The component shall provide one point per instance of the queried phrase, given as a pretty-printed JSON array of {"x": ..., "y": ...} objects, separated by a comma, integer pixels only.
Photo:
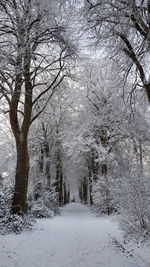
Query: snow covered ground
[{"x": 75, "y": 239}]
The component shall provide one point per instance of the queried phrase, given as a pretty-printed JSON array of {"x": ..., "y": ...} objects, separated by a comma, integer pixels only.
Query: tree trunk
[
  {"x": 68, "y": 195},
  {"x": 147, "y": 88},
  {"x": 46, "y": 153},
  {"x": 85, "y": 190},
  {"x": 65, "y": 194},
  {"x": 21, "y": 180},
  {"x": 41, "y": 160},
  {"x": 59, "y": 177},
  {"x": 90, "y": 185},
  {"x": 81, "y": 194}
]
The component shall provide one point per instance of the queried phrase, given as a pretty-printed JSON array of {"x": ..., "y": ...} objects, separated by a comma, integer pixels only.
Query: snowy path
[{"x": 75, "y": 239}]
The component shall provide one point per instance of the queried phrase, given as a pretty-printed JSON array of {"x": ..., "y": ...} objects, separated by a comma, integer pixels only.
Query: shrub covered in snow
[
  {"x": 44, "y": 204},
  {"x": 135, "y": 205},
  {"x": 103, "y": 199},
  {"x": 12, "y": 223},
  {"x": 38, "y": 209},
  {"x": 5, "y": 200}
]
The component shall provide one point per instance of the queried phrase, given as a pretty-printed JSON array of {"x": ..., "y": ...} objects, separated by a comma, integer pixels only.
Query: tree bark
[
  {"x": 147, "y": 88},
  {"x": 21, "y": 180},
  {"x": 68, "y": 196},
  {"x": 46, "y": 153},
  {"x": 85, "y": 190},
  {"x": 65, "y": 194},
  {"x": 59, "y": 177},
  {"x": 90, "y": 184},
  {"x": 20, "y": 132}
]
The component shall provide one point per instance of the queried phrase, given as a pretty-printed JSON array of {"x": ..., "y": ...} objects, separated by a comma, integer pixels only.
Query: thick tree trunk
[
  {"x": 147, "y": 88},
  {"x": 20, "y": 130},
  {"x": 21, "y": 180}
]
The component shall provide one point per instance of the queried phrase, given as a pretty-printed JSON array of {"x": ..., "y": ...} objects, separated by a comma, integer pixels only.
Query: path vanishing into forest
[{"x": 75, "y": 239}]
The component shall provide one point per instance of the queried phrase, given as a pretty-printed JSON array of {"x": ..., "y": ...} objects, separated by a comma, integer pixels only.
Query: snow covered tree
[
  {"x": 123, "y": 26},
  {"x": 46, "y": 139},
  {"x": 34, "y": 52}
]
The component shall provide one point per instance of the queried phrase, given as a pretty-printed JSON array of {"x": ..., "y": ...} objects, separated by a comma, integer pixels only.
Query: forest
[{"x": 74, "y": 112}]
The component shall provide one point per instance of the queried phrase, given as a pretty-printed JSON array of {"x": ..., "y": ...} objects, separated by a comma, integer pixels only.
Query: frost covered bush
[
  {"x": 135, "y": 205},
  {"x": 51, "y": 200},
  {"x": 38, "y": 209},
  {"x": 12, "y": 223},
  {"x": 44, "y": 204},
  {"x": 5, "y": 200},
  {"x": 103, "y": 199}
]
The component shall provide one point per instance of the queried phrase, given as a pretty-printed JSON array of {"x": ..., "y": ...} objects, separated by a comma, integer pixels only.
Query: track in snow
[{"x": 75, "y": 239}]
